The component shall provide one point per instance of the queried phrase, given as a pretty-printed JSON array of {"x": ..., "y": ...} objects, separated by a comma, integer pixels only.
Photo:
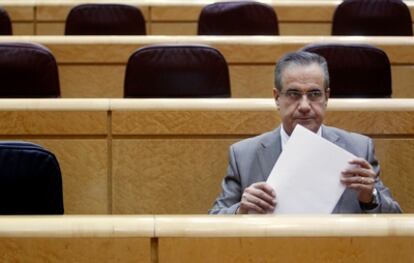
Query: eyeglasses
[{"x": 297, "y": 95}]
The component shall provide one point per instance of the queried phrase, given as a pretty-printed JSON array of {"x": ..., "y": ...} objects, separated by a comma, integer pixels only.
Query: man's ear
[
  {"x": 276, "y": 95},
  {"x": 327, "y": 94}
]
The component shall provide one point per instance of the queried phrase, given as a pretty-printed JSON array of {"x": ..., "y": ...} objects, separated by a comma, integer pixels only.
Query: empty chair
[
  {"x": 105, "y": 19},
  {"x": 30, "y": 180},
  {"x": 372, "y": 18},
  {"x": 5, "y": 23},
  {"x": 27, "y": 70},
  {"x": 238, "y": 18},
  {"x": 177, "y": 71},
  {"x": 356, "y": 71}
]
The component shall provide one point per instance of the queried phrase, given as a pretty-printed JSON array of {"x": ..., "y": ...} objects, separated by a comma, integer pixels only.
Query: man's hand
[
  {"x": 361, "y": 178},
  {"x": 259, "y": 198}
]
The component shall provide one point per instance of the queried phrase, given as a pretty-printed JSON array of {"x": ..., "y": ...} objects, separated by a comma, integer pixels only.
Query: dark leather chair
[
  {"x": 30, "y": 180},
  {"x": 5, "y": 23},
  {"x": 356, "y": 71},
  {"x": 177, "y": 71},
  {"x": 372, "y": 18},
  {"x": 105, "y": 19},
  {"x": 238, "y": 18},
  {"x": 27, "y": 70}
]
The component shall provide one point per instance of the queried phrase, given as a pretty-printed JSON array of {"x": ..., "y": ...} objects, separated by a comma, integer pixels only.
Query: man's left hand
[{"x": 361, "y": 177}]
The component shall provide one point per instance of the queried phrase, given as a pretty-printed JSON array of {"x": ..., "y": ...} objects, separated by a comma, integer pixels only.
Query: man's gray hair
[{"x": 300, "y": 58}]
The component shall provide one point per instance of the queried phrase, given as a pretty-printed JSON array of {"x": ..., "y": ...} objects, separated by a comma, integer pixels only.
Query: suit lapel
[
  {"x": 331, "y": 136},
  {"x": 269, "y": 152}
]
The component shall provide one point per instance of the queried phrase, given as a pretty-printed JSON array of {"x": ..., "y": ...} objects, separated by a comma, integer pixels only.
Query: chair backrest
[
  {"x": 238, "y": 18},
  {"x": 177, "y": 71},
  {"x": 105, "y": 19},
  {"x": 27, "y": 70},
  {"x": 30, "y": 180},
  {"x": 5, "y": 23},
  {"x": 356, "y": 71},
  {"x": 372, "y": 18}
]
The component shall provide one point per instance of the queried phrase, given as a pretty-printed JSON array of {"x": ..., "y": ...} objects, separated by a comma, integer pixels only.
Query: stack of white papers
[{"x": 306, "y": 177}]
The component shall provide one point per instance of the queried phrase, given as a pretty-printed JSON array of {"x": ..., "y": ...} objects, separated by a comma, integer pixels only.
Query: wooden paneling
[
  {"x": 52, "y": 123},
  {"x": 167, "y": 176},
  {"x": 287, "y": 249},
  {"x": 75, "y": 239},
  {"x": 162, "y": 156},
  {"x": 248, "y": 238},
  {"x": 84, "y": 167},
  {"x": 179, "y": 17},
  {"x": 92, "y": 81},
  {"x": 82, "y": 250},
  {"x": 58, "y": 11},
  {"x": 94, "y": 67},
  {"x": 397, "y": 168}
]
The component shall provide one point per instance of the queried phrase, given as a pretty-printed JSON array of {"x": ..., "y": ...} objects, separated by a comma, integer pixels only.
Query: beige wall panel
[
  {"x": 251, "y": 81},
  {"x": 53, "y": 12},
  {"x": 304, "y": 29},
  {"x": 52, "y": 28},
  {"x": 92, "y": 81},
  {"x": 92, "y": 53},
  {"x": 84, "y": 167},
  {"x": 52, "y": 122},
  {"x": 193, "y": 122},
  {"x": 106, "y": 81},
  {"x": 291, "y": 11},
  {"x": 397, "y": 169},
  {"x": 167, "y": 176},
  {"x": 176, "y": 12},
  {"x": 373, "y": 123},
  {"x": 55, "y": 28},
  {"x": 21, "y": 29},
  {"x": 402, "y": 81},
  {"x": 178, "y": 28},
  {"x": 80, "y": 250},
  {"x": 255, "y": 54},
  {"x": 20, "y": 12},
  {"x": 284, "y": 249}
]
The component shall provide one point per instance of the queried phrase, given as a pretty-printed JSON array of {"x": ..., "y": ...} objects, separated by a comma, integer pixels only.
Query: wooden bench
[
  {"x": 172, "y": 17},
  {"x": 132, "y": 156},
  {"x": 94, "y": 67},
  {"x": 249, "y": 238}
]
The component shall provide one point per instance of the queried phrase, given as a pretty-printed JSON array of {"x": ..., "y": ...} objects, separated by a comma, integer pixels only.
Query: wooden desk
[
  {"x": 131, "y": 156},
  {"x": 159, "y": 239},
  {"x": 94, "y": 67},
  {"x": 82, "y": 239},
  {"x": 172, "y": 17}
]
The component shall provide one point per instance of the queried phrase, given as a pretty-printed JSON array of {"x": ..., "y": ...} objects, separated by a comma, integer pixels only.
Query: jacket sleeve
[
  {"x": 229, "y": 199},
  {"x": 386, "y": 204}
]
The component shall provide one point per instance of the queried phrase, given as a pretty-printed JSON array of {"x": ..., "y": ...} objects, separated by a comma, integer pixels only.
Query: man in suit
[{"x": 301, "y": 93}]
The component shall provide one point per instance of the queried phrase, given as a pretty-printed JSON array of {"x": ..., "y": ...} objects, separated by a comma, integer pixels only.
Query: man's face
[{"x": 294, "y": 106}]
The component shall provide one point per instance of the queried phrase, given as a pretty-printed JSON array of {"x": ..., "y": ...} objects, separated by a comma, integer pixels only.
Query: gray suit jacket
[{"x": 252, "y": 160}]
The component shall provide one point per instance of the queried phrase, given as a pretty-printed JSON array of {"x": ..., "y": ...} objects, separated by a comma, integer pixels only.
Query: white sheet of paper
[{"x": 306, "y": 177}]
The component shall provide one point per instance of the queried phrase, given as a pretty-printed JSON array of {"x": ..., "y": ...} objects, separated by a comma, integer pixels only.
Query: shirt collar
[{"x": 284, "y": 137}]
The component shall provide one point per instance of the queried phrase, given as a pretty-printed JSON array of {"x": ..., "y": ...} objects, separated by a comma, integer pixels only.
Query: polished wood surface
[
  {"x": 94, "y": 66},
  {"x": 76, "y": 239},
  {"x": 172, "y": 17},
  {"x": 160, "y": 156},
  {"x": 207, "y": 238}
]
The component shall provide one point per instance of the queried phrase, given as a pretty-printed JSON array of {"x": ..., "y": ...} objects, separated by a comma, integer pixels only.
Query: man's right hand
[{"x": 258, "y": 198}]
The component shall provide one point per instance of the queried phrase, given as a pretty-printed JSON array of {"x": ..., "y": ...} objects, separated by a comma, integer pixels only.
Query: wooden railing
[
  {"x": 132, "y": 156},
  {"x": 172, "y": 17},
  {"x": 158, "y": 239},
  {"x": 94, "y": 67}
]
